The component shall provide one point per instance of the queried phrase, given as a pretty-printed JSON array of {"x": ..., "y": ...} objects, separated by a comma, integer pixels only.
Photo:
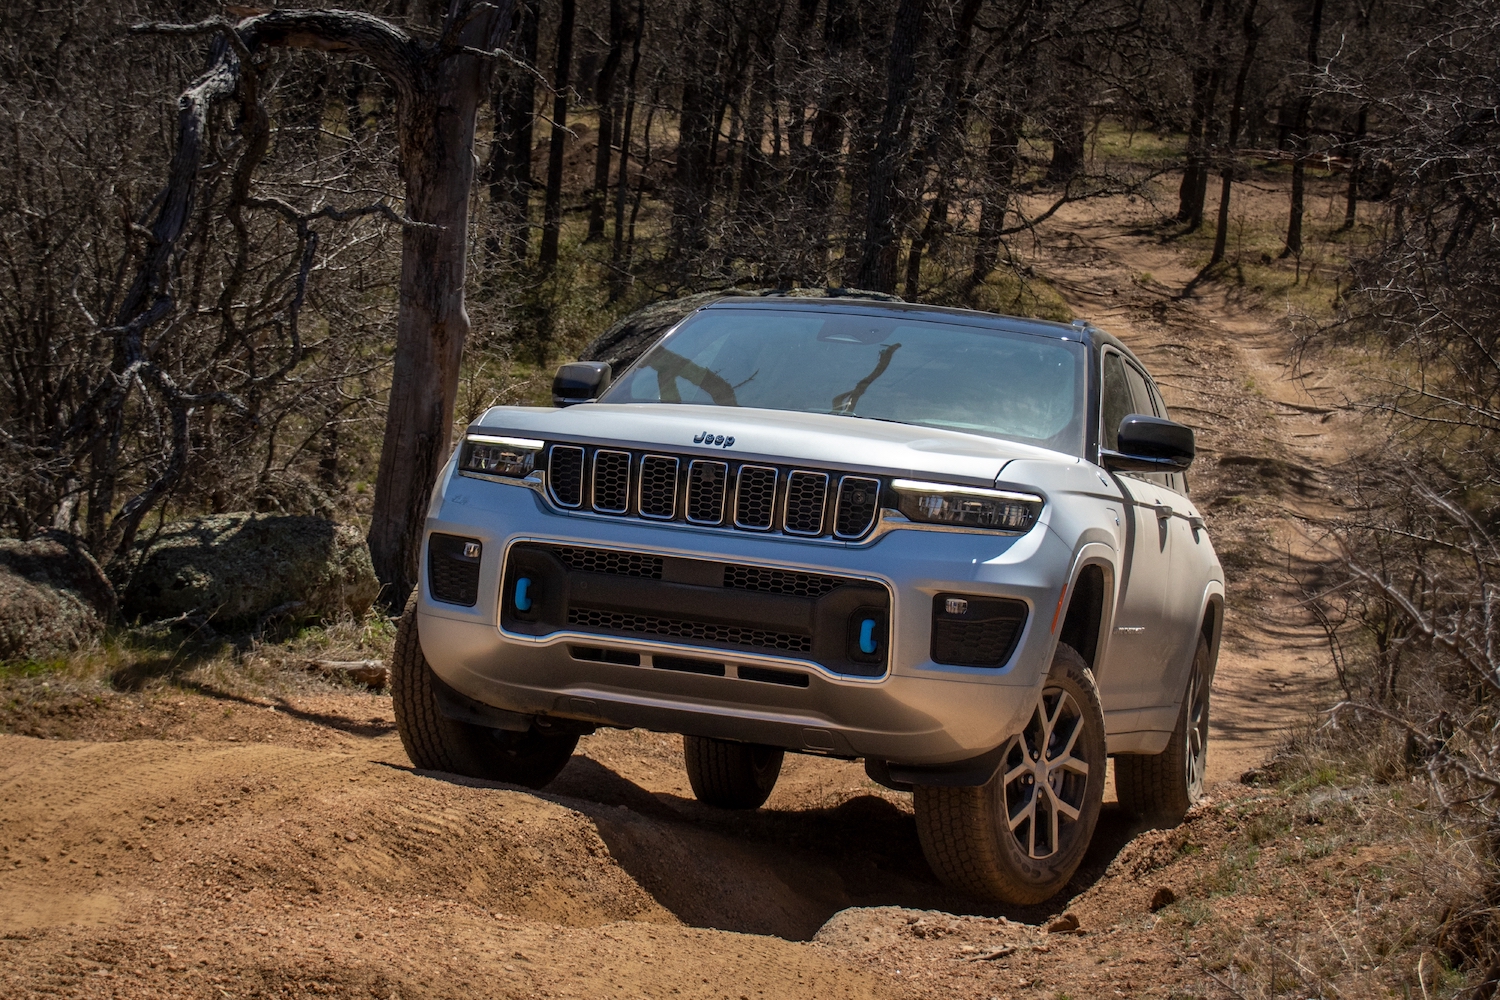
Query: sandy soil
[{"x": 198, "y": 843}]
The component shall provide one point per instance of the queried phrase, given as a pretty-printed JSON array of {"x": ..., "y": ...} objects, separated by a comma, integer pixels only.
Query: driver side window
[{"x": 1115, "y": 403}]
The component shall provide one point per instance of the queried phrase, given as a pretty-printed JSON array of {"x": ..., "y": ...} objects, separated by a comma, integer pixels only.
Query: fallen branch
[{"x": 371, "y": 673}]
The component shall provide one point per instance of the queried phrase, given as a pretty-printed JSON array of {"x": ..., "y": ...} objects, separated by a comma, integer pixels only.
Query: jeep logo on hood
[{"x": 708, "y": 437}]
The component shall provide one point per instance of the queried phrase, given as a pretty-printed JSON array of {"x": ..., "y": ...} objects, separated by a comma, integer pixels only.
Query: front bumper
[{"x": 919, "y": 712}]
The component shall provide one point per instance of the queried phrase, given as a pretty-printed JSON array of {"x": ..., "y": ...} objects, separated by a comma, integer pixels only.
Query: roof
[{"x": 1078, "y": 331}]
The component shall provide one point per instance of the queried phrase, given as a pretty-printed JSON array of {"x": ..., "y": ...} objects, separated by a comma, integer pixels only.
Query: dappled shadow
[{"x": 782, "y": 872}]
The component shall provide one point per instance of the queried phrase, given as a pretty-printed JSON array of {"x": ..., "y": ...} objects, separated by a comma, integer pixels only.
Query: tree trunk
[
  {"x": 1226, "y": 174},
  {"x": 1355, "y": 153},
  {"x": 877, "y": 266},
  {"x": 508, "y": 172},
  {"x": 604, "y": 96},
  {"x": 617, "y": 250},
  {"x": 1203, "y": 77},
  {"x": 552, "y": 209},
  {"x": 437, "y": 162},
  {"x": 1002, "y": 154},
  {"x": 1302, "y": 140}
]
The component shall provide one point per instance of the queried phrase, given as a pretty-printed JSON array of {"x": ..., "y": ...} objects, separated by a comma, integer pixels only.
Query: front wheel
[
  {"x": 1019, "y": 838},
  {"x": 435, "y": 742},
  {"x": 1163, "y": 787},
  {"x": 731, "y": 775}
]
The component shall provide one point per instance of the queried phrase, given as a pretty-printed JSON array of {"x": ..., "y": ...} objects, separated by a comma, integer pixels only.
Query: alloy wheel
[{"x": 1045, "y": 780}]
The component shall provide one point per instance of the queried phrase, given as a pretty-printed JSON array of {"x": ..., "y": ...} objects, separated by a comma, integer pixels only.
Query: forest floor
[{"x": 209, "y": 838}]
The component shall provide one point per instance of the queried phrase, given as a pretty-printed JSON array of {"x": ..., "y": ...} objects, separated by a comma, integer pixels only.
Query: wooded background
[{"x": 628, "y": 150}]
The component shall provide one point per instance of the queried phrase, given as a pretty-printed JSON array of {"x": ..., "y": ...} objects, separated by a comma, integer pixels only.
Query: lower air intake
[
  {"x": 977, "y": 632},
  {"x": 453, "y": 569}
]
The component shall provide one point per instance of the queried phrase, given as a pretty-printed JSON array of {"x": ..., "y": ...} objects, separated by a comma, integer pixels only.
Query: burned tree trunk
[
  {"x": 1300, "y": 137},
  {"x": 1251, "y": 32},
  {"x": 552, "y": 209}
]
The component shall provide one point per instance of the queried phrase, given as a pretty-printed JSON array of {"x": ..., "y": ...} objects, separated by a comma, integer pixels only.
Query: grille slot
[
  {"x": 806, "y": 496},
  {"x": 859, "y": 498},
  {"x": 779, "y": 581},
  {"x": 565, "y": 475},
  {"x": 658, "y": 497},
  {"x": 705, "y": 492},
  {"x": 609, "y": 561},
  {"x": 755, "y": 497},
  {"x": 684, "y": 628},
  {"x": 611, "y": 481},
  {"x": 452, "y": 575}
]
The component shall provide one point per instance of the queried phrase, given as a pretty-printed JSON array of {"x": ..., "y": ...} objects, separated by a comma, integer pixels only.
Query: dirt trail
[{"x": 210, "y": 845}]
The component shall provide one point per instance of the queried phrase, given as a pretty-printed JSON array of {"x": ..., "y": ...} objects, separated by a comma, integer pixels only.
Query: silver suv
[{"x": 956, "y": 545}]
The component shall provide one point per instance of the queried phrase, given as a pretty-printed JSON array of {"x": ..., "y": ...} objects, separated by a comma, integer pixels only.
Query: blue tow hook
[
  {"x": 867, "y": 636},
  {"x": 523, "y": 596}
]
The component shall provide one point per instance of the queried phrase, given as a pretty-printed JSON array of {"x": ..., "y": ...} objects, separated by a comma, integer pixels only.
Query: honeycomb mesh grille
[
  {"x": 806, "y": 495},
  {"x": 858, "y": 500},
  {"x": 611, "y": 481},
  {"x": 452, "y": 576},
  {"x": 705, "y": 499},
  {"x": 658, "y": 487},
  {"x": 973, "y": 644},
  {"x": 610, "y": 561},
  {"x": 565, "y": 475},
  {"x": 778, "y": 581},
  {"x": 682, "y": 628},
  {"x": 755, "y": 497}
]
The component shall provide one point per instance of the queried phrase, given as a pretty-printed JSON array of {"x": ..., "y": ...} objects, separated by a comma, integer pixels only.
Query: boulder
[
  {"x": 54, "y": 598},
  {"x": 242, "y": 567},
  {"x": 631, "y": 335}
]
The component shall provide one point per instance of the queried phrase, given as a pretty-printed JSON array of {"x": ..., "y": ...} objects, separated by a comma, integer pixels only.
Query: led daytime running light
[
  {"x": 963, "y": 506},
  {"x": 491, "y": 455}
]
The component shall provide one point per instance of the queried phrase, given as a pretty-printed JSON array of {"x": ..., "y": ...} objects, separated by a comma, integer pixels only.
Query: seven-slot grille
[{"x": 750, "y": 497}]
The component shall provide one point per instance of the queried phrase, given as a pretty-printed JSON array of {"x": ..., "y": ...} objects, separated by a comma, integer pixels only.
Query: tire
[
  {"x": 437, "y": 743},
  {"x": 731, "y": 775},
  {"x": 967, "y": 834},
  {"x": 1163, "y": 787}
]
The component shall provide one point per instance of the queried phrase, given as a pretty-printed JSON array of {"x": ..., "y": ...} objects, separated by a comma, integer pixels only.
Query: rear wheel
[
  {"x": 1163, "y": 787},
  {"x": 731, "y": 775},
  {"x": 1020, "y": 837},
  {"x": 435, "y": 742}
]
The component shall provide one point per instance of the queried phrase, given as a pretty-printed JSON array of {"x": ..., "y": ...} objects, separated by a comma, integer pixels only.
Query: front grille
[
  {"x": 982, "y": 634},
  {"x": 658, "y": 487},
  {"x": 859, "y": 499},
  {"x": 565, "y": 475},
  {"x": 806, "y": 495},
  {"x": 611, "y": 481},
  {"x": 755, "y": 497},
  {"x": 609, "y": 561},
  {"x": 684, "y": 628},
  {"x": 806, "y": 503},
  {"x": 706, "y": 483},
  {"x": 779, "y": 581},
  {"x": 453, "y": 569}
]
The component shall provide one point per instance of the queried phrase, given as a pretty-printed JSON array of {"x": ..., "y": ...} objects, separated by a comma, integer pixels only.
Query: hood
[{"x": 776, "y": 436}]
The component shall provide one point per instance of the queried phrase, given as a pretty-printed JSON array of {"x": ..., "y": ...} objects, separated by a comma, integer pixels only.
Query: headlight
[
  {"x": 499, "y": 456},
  {"x": 966, "y": 506}
]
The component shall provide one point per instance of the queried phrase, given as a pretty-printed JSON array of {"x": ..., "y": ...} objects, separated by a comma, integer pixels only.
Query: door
[{"x": 1130, "y": 676}]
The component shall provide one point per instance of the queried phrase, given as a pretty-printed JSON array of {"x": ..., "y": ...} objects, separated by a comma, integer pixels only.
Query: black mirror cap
[
  {"x": 1151, "y": 444},
  {"x": 580, "y": 382}
]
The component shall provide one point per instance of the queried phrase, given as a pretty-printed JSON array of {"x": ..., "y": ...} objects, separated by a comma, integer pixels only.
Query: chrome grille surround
[
  {"x": 708, "y": 482},
  {"x": 707, "y": 491},
  {"x": 806, "y": 501},
  {"x": 565, "y": 475},
  {"x": 611, "y": 494},
  {"x": 657, "y": 498},
  {"x": 755, "y": 497}
]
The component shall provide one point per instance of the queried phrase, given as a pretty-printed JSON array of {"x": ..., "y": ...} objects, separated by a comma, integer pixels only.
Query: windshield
[{"x": 965, "y": 378}]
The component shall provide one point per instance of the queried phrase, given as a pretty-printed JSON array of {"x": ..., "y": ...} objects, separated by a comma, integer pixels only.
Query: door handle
[{"x": 1163, "y": 512}]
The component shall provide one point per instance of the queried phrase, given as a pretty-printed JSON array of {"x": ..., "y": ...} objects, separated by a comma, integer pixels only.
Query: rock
[
  {"x": 1065, "y": 924},
  {"x": 54, "y": 598},
  {"x": 244, "y": 567},
  {"x": 630, "y": 336},
  {"x": 1161, "y": 898}
]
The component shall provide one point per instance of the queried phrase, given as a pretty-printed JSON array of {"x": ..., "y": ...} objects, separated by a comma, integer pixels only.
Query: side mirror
[
  {"x": 580, "y": 382},
  {"x": 1150, "y": 444}
]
